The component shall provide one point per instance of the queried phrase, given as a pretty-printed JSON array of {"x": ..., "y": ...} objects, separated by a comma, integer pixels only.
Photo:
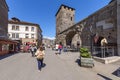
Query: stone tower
[{"x": 64, "y": 18}]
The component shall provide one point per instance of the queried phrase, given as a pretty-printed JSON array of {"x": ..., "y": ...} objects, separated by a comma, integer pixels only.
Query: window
[
  {"x": 26, "y": 35},
  {"x": 32, "y": 28},
  {"x": 13, "y": 27},
  {"x": 13, "y": 35},
  {"x": 26, "y": 28},
  {"x": 17, "y": 28},
  {"x": 32, "y": 35},
  {"x": 17, "y": 35}
]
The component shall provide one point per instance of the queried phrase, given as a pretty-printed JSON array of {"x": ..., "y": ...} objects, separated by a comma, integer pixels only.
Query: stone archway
[
  {"x": 76, "y": 40},
  {"x": 69, "y": 37},
  {"x": 73, "y": 39}
]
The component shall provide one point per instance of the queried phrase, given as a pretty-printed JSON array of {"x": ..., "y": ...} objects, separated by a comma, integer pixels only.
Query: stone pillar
[
  {"x": 118, "y": 26},
  {"x": 64, "y": 40}
]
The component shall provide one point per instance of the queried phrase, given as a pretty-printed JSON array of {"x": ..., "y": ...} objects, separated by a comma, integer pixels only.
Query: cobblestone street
[{"x": 22, "y": 66}]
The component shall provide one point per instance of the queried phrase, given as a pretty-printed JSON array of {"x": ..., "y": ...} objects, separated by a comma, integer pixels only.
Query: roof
[
  {"x": 64, "y": 6},
  {"x": 111, "y": 1},
  {"x": 15, "y": 20},
  {"x": 21, "y": 22}
]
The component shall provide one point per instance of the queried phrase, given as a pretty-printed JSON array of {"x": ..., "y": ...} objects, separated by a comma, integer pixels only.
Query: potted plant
[{"x": 86, "y": 58}]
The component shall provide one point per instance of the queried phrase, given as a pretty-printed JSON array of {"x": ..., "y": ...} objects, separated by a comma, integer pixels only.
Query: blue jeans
[
  {"x": 59, "y": 51},
  {"x": 40, "y": 63}
]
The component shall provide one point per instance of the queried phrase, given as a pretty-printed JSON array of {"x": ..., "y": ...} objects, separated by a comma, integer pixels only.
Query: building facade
[
  {"x": 24, "y": 32},
  {"x": 3, "y": 19},
  {"x": 104, "y": 23},
  {"x": 48, "y": 42}
]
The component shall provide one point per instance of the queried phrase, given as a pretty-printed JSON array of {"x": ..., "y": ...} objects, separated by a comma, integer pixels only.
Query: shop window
[{"x": 5, "y": 47}]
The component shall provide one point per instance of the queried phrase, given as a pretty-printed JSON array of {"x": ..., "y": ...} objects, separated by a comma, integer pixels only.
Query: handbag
[{"x": 40, "y": 56}]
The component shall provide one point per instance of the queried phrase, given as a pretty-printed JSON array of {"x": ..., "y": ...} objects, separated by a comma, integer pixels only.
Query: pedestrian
[
  {"x": 33, "y": 49},
  {"x": 40, "y": 56},
  {"x": 60, "y": 48}
]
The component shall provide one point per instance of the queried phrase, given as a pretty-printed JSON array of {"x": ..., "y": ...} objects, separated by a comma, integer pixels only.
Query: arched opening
[
  {"x": 73, "y": 39},
  {"x": 69, "y": 37}
]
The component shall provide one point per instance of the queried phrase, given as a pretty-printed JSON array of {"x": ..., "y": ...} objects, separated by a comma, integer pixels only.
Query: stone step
[{"x": 107, "y": 60}]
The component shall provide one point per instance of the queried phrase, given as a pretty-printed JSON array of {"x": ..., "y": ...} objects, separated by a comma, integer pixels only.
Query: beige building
[
  {"x": 104, "y": 23},
  {"x": 25, "y": 32},
  {"x": 48, "y": 42}
]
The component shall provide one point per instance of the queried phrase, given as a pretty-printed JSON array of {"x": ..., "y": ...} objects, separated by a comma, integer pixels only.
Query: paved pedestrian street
[{"x": 22, "y": 66}]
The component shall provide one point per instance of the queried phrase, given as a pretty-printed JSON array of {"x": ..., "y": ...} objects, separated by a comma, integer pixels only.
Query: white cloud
[{"x": 52, "y": 38}]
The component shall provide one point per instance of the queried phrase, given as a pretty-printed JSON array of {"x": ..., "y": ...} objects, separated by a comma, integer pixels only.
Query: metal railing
[{"x": 104, "y": 51}]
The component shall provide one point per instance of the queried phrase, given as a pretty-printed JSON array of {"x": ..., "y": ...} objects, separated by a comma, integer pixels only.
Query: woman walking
[{"x": 40, "y": 56}]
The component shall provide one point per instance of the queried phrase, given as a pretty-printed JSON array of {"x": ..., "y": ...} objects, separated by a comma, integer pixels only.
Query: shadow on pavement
[
  {"x": 43, "y": 65},
  {"x": 106, "y": 78},
  {"x": 78, "y": 61},
  {"x": 117, "y": 72},
  {"x": 7, "y": 55}
]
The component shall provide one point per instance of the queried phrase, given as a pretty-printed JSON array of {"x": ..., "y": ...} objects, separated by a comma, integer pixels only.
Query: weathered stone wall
[
  {"x": 64, "y": 19},
  {"x": 103, "y": 23},
  {"x": 3, "y": 19},
  {"x": 61, "y": 38},
  {"x": 118, "y": 26}
]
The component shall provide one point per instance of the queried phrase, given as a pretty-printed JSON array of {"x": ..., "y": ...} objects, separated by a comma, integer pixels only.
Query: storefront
[{"x": 7, "y": 46}]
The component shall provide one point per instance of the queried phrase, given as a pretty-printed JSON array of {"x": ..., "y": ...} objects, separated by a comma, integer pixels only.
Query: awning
[
  {"x": 30, "y": 43},
  {"x": 8, "y": 41}
]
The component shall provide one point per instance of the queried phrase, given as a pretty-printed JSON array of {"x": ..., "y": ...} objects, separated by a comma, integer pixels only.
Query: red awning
[
  {"x": 30, "y": 43},
  {"x": 7, "y": 41}
]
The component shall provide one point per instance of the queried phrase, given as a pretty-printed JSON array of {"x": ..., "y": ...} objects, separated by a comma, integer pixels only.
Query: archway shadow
[{"x": 106, "y": 78}]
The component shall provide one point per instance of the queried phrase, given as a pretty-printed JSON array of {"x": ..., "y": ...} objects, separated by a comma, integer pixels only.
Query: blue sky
[{"x": 43, "y": 12}]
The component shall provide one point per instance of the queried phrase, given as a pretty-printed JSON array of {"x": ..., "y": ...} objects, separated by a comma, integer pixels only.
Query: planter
[
  {"x": 86, "y": 62},
  {"x": 86, "y": 58}
]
